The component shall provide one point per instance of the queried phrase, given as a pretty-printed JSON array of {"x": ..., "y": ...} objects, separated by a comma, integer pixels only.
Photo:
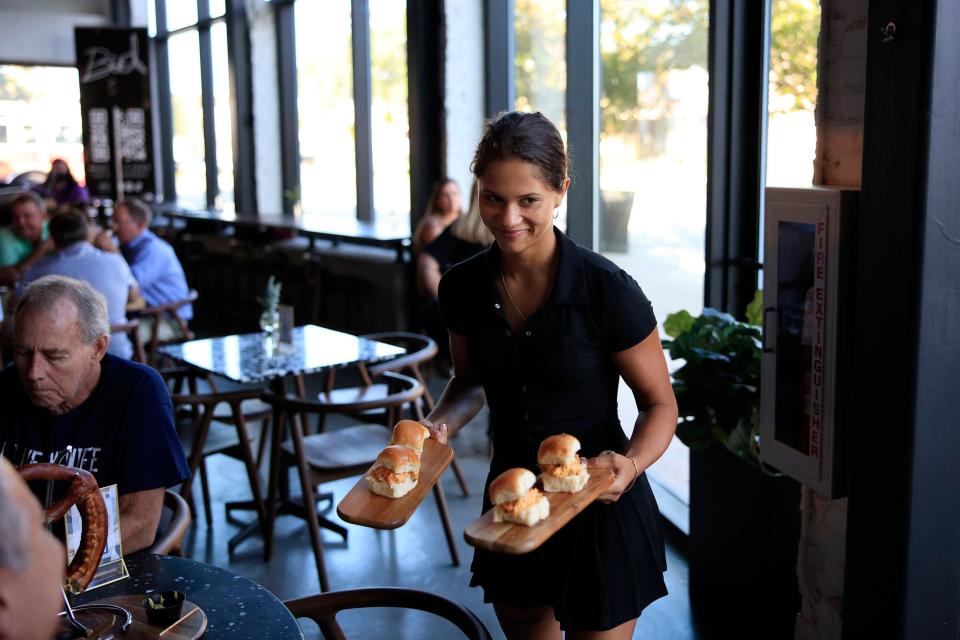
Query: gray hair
[
  {"x": 42, "y": 294},
  {"x": 14, "y": 550},
  {"x": 31, "y": 197}
]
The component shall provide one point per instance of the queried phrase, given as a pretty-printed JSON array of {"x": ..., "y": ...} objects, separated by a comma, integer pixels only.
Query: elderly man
[
  {"x": 65, "y": 391},
  {"x": 25, "y": 240},
  {"x": 31, "y": 564},
  {"x": 154, "y": 263},
  {"x": 106, "y": 272}
]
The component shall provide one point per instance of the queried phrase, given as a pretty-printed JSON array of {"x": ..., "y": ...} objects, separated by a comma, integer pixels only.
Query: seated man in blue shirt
[
  {"x": 66, "y": 400},
  {"x": 153, "y": 261},
  {"x": 106, "y": 272}
]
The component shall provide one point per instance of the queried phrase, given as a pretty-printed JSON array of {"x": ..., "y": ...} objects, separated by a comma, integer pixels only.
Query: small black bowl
[{"x": 163, "y": 608}]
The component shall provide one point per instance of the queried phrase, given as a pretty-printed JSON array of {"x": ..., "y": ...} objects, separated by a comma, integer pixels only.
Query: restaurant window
[
  {"x": 325, "y": 110},
  {"x": 792, "y": 93},
  {"x": 389, "y": 108},
  {"x": 653, "y": 166},
  {"x": 540, "y": 64},
  {"x": 193, "y": 39},
  {"x": 40, "y": 109}
]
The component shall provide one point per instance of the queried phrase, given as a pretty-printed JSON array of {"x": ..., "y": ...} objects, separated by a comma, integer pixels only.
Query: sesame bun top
[
  {"x": 558, "y": 449},
  {"x": 511, "y": 485}
]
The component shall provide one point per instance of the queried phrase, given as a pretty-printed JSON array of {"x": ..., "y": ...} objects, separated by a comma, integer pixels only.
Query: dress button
[
  {"x": 496, "y": 305},
  {"x": 528, "y": 333},
  {"x": 509, "y": 333},
  {"x": 524, "y": 388}
]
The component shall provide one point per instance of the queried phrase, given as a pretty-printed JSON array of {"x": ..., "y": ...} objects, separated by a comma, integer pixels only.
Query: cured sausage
[{"x": 84, "y": 493}]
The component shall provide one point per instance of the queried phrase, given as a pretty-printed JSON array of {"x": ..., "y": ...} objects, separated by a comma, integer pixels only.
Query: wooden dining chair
[
  {"x": 420, "y": 350},
  {"x": 323, "y": 608},
  {"x": 154, "y": 316},
  {"x": 132, "y": 329},
  {"x": 174, "y": 524},
  {"x": 325, "y": 457}
]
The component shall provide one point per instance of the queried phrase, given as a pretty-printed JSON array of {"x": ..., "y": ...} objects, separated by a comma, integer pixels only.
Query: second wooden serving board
[
  {"x": 506, "y": 537},
  {"x": 366, "y": 508}
]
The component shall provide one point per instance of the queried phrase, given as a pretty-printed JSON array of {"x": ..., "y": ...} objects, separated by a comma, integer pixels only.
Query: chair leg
[
  {"x": 309, "y": 504},
  {"x": 252, "y": 473},
  {"x": 196, "y": 456},
  {"x": 205, "y": 487},
  {"x": 262, "y": 445},
  {"x": 445, "y": 521},
  {"x": 461, "y": 479}
]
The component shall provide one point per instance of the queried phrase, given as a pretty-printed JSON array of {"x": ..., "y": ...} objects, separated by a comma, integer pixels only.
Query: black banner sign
[{"x": 114, "y": 66}]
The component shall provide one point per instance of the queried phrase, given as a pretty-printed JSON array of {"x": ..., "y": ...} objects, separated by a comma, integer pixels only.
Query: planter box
[{"x": 744, "y": 535}]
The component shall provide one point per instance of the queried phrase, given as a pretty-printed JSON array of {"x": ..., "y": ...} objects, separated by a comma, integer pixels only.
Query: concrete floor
[{"x": 414, "y": 556}]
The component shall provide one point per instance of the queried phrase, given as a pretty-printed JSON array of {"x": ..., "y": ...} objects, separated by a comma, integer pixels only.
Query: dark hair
[
  {"x": 68, "y": 227},
  {"x": 530, "y": 137},
  {"x": 138, "y": 210},
  {"x": 32, "y": 197},
  {"x": 52, "y": 179}
]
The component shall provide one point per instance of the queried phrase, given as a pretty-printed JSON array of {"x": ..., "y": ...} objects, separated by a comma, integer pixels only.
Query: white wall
[
  {"x": 463, "y": 103},
  {"x": 266, "y": 107},
  {"x": 41, "y": 31}
]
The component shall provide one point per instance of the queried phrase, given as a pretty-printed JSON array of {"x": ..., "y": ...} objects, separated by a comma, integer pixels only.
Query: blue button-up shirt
[
  {"x": 105, "y": 272},
  {"x": 157, "y": 269}
]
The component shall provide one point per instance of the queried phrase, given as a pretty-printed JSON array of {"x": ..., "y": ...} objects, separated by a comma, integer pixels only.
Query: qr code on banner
[
  {"x": 99, "y": 137},
  {"x": 131, "y": 131}
]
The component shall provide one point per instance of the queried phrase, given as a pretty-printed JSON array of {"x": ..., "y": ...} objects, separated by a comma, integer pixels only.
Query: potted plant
[{"x": 744, "y": 518}]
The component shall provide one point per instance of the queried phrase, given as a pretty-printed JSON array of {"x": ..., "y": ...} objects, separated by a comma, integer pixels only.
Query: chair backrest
[
  {"x": 132, "y": 329},
  {"x": 420, "y": 349},
  {"x": 170, "y": 540},
  {"x": 167, "y": 310},
  {"x": 323, "y": 608}
]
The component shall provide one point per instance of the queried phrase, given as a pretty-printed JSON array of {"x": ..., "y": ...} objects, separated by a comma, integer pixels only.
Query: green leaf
[
  {"x": 755, "y": 308},
  {"x": 678, "y": 323}
]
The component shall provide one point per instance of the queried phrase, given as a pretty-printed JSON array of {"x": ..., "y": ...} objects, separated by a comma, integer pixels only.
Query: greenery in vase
[
  {"x": 718, "y": 385},
  {"x": 270, "y": 318}
]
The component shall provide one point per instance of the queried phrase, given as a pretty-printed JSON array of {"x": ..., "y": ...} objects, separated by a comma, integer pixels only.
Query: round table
[{"x": 236, "y": 607}]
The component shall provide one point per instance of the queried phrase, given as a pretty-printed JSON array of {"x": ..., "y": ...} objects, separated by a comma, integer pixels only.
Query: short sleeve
[
  {"x": 452, "y": 302},
  {"x": 626, "y": 315},
  {"x": 152, "y": 456}
]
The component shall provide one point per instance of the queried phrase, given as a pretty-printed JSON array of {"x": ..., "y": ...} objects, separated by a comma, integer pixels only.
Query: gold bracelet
[{"x": 636, "y": 475}]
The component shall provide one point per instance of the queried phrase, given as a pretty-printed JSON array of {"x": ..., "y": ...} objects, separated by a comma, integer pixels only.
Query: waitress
[{"x": 542, "y": 329}]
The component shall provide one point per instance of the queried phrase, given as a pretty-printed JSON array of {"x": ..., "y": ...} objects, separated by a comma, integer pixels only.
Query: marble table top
[{"x": 250, "y": 358}]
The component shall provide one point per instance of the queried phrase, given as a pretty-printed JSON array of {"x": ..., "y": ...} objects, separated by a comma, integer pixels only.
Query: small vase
[{"x": 269, "y": 322}]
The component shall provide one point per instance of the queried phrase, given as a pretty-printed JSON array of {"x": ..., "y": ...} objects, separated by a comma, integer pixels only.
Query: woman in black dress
[{"x": 542, "y": 329}]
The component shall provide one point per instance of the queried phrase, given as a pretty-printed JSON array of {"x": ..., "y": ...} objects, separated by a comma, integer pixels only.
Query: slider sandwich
[
  {"x": 395, "y": 473},
  {"x": 516, "y": 500},
  {"x": 410, "y": 434},
  {"x": 563, "y": 469}
]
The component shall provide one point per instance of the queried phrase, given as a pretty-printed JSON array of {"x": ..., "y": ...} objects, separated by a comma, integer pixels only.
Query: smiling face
[
  {"x": 517, "y": 206},
  {"x": 58, "y": 368},
  {"x": 26, "y": 220}
]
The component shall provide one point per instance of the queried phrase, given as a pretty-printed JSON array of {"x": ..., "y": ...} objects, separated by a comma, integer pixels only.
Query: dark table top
[
  {"x": 236, "y": 607},
  {"x": 244, "y": 358}
]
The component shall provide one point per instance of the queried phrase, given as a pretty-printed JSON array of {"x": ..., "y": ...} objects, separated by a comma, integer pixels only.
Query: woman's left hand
[{"x": 625, "y": 472}]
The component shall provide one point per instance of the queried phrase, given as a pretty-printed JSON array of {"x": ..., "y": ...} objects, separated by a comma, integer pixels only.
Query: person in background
[
  {"x": 66, "y": 400},
  {"x": 443, "y": 207},
  {"x": 61, "y": 189},
  {"x": 26, "y": 240},
  {"x": 461, "y": 240},
  {"x": 152, "y": 260},
  {"x": 106, "y": 272},
  {"x": 542, "y": 330},
  {"x": 32, "y": 563}
]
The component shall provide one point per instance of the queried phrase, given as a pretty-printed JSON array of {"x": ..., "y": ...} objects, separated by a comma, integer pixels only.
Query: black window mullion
[
  {"x": 164, "y": 103},
  {"x": 287, "y": 87},
  {"x": 499, "y": 45},
  {"x": 241, "y": 111},
  {"x": 360, "y": 21},
  {"x": 209, "y": 130}
]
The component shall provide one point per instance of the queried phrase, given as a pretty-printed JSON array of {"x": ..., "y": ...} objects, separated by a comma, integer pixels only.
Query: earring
[{"x": 556, "y": 212}]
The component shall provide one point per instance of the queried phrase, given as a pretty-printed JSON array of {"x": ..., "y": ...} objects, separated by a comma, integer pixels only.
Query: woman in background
[
  {"x": 443, "y": 207},
  {"x": 61, "y": 189}
]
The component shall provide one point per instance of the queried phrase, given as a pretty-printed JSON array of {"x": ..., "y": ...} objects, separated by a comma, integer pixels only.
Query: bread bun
[
  {"x": 511, "y": 485},
  {"x": 558, "y": 449},
  {"x": 411, "y": 434},
  {"x": 399, "y": 459},
  {"x": 391, "y": 490},
  {"x": 527, "y": 517},
  {"x": 568, "y": 484}
]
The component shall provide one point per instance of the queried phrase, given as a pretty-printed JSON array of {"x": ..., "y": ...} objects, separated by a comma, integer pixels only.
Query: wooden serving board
[
  {"x": 506, "y": 537},
  {"x": 106, "y": 622},
  {"x": 366, "y": 508}
]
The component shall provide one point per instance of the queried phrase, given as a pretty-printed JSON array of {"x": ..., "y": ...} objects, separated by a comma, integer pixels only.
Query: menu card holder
[{"x": 112, "y": 567}]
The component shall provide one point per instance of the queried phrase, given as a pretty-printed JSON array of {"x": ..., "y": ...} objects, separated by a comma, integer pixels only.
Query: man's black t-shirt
[{"x": 123, "y": 433}]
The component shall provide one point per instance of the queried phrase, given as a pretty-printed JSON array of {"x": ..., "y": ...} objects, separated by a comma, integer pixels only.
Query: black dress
[{"x": 607, "y": 564}]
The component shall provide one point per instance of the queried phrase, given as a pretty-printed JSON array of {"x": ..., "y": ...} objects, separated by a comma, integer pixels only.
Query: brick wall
[{"x": 839, "y": 117}]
